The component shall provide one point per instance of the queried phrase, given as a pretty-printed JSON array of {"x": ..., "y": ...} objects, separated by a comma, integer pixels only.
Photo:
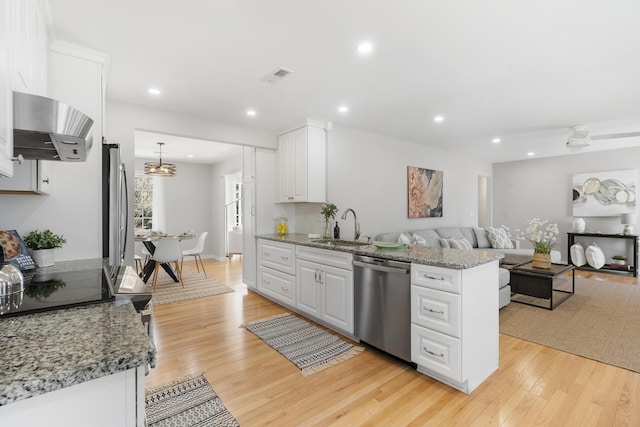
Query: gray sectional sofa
[{"x": 477, "y": 237}]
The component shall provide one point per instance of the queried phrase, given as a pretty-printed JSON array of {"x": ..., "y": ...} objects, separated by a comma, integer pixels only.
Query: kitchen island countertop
[
  {"x": 47, "y": 351},
  {"x": 447, "y": 258}
]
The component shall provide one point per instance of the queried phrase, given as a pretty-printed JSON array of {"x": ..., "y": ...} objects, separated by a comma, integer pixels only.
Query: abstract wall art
[
  {"x": 425, "y": 192},
  {"x": 604, "y": 193}
]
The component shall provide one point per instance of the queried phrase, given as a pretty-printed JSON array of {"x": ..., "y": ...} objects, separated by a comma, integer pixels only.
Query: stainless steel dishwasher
[{"x": 382, "y": 304}]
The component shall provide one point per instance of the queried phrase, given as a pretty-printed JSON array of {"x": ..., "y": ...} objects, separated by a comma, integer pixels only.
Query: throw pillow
[
  {"x": 418, "y": 240},
  {"x": 481, "y": 235},
  {"x": 445, "y": 244},
  {"x": 499, "y": 238},
  {"x": 460, "y": 244},
  {"x": 404, "y": 238}
]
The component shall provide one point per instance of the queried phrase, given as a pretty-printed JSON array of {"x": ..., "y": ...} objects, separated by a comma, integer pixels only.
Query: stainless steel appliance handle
[
  {"x": 126, "y": 211},
  {"x": 383, "y": 268}
]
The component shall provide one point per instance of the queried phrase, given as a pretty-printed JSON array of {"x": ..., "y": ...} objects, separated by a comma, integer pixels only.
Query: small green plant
[
  {"x": 619, "y": 257},
  {"x": 329, "y": 211},
  {"x": 43, "y": 240}
]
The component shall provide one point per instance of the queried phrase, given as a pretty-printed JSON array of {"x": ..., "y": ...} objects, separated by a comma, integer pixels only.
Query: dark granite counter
[
  {"x": 439, "y": 257},
  {"x": 47, "y": 351}
]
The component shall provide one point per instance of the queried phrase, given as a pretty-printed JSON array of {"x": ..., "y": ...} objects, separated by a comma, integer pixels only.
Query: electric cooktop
[{"x": 56, "y": 290}]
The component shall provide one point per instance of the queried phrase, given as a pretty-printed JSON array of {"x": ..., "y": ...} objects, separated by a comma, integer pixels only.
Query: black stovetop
[{"x": 64, "y": 289}]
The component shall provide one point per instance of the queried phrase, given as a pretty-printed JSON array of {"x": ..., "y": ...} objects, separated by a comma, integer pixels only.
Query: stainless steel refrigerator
[{"x": 115, "y": 206}]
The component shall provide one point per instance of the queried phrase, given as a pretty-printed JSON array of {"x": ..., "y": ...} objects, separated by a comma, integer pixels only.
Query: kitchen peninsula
[
  {"x": 87, "y": 363},
  {"x": 451, "y": 309}
]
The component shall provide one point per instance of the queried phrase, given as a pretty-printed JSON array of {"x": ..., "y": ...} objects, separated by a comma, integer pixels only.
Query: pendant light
[{"x": 159, "y": 169}]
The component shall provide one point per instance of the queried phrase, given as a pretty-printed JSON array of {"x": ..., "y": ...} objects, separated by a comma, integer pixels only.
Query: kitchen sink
[{"x": 339, "y": 242}]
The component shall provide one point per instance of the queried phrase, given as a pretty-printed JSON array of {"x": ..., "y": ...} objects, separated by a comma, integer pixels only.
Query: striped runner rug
[
  {"x": 309, "y": 347},
  {"x": 187, "y": 402}
]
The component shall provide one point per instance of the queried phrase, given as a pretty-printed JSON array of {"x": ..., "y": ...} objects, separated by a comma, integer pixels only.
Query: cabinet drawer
[
  {"x": 437, "y": 352},
  {"x": 436, "y": 310},
  {"x": 278, "y": 285},
  {"x": 445, "y": 279},
  {"x": 325, "y": 256},
  {"x": 277, "y": 255}
]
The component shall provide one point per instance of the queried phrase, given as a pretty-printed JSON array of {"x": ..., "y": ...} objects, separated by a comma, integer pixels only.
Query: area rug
[
  {"x": 188, "y": 402},
  {"x": 309, "y": 347},
  {"x": 196, "y": 285},
  {"x": 600, "y": 322}
]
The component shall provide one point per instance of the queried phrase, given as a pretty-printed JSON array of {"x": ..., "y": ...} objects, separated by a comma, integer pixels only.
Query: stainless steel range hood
[{"x": 46, "y": 129}]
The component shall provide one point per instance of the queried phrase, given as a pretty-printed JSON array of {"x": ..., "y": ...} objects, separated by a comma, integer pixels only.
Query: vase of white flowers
[{"x": 543, "y": 238}]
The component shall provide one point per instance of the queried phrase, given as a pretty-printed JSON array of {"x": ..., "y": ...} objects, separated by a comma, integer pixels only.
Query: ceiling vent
[
  {"x": 277, "y": 75},
  {"x": 579, "y": 137}
]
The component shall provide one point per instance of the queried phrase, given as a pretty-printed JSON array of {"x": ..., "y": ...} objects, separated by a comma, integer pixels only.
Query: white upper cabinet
[
  {"x": 24, "y": 44},
  {"x": 302, "y": 157}
]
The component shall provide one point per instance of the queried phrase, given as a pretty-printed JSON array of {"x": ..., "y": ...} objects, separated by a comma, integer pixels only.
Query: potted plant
[
  {"x": 42, "y": 244},
  {"x": 543, "y": 237},
  {"x": 329, "y": 211}
]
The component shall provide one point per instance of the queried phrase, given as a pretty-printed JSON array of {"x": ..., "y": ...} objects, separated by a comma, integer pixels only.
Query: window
[{"x": 143, "y": 212}]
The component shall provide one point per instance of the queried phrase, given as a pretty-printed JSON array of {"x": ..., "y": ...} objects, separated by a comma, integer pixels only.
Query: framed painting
[
  {"x": 604, "y": 193},
  {"x": 424, "y": 192}
]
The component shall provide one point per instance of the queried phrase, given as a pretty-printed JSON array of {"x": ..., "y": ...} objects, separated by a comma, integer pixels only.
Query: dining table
[{"x": 148, "y": 239}]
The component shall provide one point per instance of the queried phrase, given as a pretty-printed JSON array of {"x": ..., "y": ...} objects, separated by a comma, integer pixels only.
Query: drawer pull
[
  {"x": 430, "y": 310},
  {"x": 267, "y": 253},
  {"x": 441, "y": 355},
  {"x": 283, "y": 289},
  {"x": 285, "y": 258},
  {"x": 266, "y": 282},
  {"x": 433, "y": 277}
]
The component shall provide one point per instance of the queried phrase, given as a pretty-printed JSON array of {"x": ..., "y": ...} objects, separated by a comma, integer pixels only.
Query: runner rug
[
  {"x": 600, "y": 321},
  {"x": 309, "y": 347},
  {"x": 196, "y": 285},
  {"x": 187, "y": 402}
]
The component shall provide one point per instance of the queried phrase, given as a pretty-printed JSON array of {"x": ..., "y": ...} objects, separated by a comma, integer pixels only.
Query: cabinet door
[
  {"x": 6, "y": 96},
  {"x": 30, "y": 177},
  {"x": 299, "y": 172},
  {"x": 279, "y": 286},
  {"x": 248, "y": 164},
  {"x": 308, "y": 286},
  {"x": 286, "y": 158},
  {"x": 248, "y": 230},
  {"x": 337, "y": 297}
]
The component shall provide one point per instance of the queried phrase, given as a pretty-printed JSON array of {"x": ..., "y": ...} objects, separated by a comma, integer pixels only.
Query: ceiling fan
[{"x": 580, "y": 137}]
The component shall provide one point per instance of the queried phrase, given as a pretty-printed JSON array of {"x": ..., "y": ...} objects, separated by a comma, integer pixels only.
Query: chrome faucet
[{"x": 356, "y": 234}]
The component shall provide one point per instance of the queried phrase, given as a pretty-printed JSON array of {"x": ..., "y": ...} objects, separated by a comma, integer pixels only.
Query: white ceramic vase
[
  {"x": 43, "y": 257},
  {"x": 578, "y": 225}
]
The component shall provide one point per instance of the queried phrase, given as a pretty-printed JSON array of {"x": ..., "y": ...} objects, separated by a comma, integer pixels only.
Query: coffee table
[{"x": 529, "y": 283}]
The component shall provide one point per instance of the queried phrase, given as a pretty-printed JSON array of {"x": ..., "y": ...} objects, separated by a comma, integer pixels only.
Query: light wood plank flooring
[{"x": 534, "y": 385}]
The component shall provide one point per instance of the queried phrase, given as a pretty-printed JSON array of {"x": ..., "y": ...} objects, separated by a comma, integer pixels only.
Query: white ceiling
[
  {"x": 523, "y": 71},
  {"x": 181, "y": 149}
]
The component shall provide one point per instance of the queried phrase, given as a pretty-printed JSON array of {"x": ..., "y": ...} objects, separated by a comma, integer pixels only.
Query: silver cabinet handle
[
  {"x": 266, "y": 282},
  {"x": 266, "y": 253},
  {"x": 46, "y": 180},
  {"x": 283, "y": 289},
  {"x": 430, "y": 310},
  {"x": 285, "y": 258},
  {"x": 315, "y": 274},
  {"x": 433, "y": 277},
  {"x": 441, "y": 355}
]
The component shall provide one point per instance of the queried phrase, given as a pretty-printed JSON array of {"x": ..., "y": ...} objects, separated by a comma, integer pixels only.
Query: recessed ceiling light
[
  {"x": 154, "y": 91},
  {"x": 251, "y": 113},
  {"x": 343, "y": 109},
  {"x": 365, "y": 47},
  {"x": 496, "y": 140},
  {"x": 190, "y": 156},
  {"x": 438, "y": 119},
  {"x": 530, "y": 153}
]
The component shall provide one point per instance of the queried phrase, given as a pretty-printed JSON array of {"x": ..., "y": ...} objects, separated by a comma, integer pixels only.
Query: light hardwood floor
[{"x": 534, "y": 385}]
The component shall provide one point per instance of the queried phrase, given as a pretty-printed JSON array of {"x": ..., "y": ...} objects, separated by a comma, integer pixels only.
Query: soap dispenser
[{"x": 336, "y": 231}]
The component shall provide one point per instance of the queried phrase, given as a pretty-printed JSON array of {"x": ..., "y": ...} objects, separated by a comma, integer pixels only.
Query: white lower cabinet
[
  {"x": 454, "y": 323},
  {"x": 326, "y": 293},
  {"x": 276, "y": 268}
]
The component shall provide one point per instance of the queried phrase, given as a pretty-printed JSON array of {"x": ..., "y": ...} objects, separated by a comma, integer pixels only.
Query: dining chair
[
  {"x": 196, "y": 251},
  {"x": 138, "y": 260},
  {"x": 167, "y": 251},
  {"x": 146, "y": 254}
]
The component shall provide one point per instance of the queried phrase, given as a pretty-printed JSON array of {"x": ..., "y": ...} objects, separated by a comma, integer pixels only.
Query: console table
[{"x": 607, "y": 268}]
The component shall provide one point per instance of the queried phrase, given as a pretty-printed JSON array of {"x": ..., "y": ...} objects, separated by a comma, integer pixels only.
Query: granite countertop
[
  {"x": 47, "y": 351},
  {"x": 439, "y": 257}
]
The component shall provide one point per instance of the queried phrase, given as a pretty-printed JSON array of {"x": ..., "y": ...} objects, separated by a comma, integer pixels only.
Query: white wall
[
  {"x": 217, "y": 235},
  {"x": 368, "y": 173},
  {"x": 542, "y": 188}
]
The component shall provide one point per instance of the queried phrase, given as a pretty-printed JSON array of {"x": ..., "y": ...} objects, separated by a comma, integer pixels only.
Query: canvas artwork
[
  {"x": 604, "y": 193},
  {"x": 425, "y": 192}
]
